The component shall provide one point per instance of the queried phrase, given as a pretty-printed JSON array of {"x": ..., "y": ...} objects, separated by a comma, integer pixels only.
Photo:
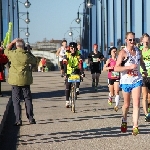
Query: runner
[
  {"x": 72, "y": 60},
  {"x": 146, "y": 80},
  {"x": 95, "y": 59},
  {"x": 60, "y": 53},
  {"x": 128, "y": 63},
  {"x": 113, "y": 77}
]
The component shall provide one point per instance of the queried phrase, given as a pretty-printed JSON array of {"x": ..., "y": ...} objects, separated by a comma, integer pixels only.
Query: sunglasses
[
  {"x": 131, "y": 40},
  {"x": 72, "y": 47}
]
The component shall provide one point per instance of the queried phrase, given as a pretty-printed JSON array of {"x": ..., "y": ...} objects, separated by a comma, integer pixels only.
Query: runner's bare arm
[
  {"x": 58, "y": 52},
  {"x": 142, "y": 64},
  {"x": 106, "y": 68},
  {"x": 121, "y": 57}
]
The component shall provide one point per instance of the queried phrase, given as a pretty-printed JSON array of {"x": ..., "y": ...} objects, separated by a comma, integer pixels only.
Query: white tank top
[
  {"x": 131, "y": 76},
  {"x": 62, "y": 53}
]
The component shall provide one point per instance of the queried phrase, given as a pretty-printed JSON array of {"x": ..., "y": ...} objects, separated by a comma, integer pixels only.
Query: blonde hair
[
  {"x": 129, "y": 33},
  {"x": 145, "y": 35}
]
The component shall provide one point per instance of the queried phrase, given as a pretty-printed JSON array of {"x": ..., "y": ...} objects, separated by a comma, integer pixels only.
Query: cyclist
[
  {"x": 60, "y": 53},
  {"x": 113, "y": 77},
  {"x": 128, "y": 63},
  {"x": 72, "y": 61},
  {"x": 146, "y": 80},
  {"x": 95, "y": 59}
]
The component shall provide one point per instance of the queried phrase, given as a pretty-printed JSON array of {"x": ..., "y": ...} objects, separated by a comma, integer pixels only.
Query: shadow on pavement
[
  {"x": 8, "y": 138},
  {"x": 50, "y": 94},
  {"x": 78, "y": 134},
  {"x": 73, "y": 135}
]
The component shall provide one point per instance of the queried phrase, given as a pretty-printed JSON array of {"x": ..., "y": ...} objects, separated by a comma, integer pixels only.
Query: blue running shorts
[{"x": 129, "y": 87}]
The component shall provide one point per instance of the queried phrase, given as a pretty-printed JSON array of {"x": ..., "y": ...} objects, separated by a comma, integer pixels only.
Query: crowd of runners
[{"x": 128, "y": 70}]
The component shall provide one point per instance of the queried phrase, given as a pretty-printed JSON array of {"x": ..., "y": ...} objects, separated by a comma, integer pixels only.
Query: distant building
[{"x": 47, "y": 45}]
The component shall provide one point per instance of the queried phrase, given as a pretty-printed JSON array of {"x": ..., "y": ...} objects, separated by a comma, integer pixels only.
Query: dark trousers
[
  {"x": 17, "y": 92},
  {"x": 68, "y": 88}
]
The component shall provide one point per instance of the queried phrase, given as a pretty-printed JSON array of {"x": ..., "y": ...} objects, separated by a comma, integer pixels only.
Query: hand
[
  {"x": 60, "y": 56},
  {"x": 98, "y": 59},
  {"x": 80, "y": 60},
  {"x": 133, "y": 66},
  {"x": 145, "y": 74},
  {"x": 14, "y": 41},
  {"x": 64, "y": 61},
  {"x": 111, "y": 67}
]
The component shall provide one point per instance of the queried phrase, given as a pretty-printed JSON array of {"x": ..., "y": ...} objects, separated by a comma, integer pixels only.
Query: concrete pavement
[
  {"x": 94, "y": 126},
  {"x": 4, "y": 103}
]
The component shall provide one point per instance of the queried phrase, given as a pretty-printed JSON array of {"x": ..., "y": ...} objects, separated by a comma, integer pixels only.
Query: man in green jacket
[{"x": 20, "y": 77}]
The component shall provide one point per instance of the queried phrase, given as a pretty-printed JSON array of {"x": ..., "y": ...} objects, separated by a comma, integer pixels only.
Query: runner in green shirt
[{"x": 146, "y": 80}]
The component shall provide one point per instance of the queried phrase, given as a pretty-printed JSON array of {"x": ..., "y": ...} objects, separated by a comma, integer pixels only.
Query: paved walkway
[
  {"x": 4, "y": 103},
  {"x": 95, "y": 125}
]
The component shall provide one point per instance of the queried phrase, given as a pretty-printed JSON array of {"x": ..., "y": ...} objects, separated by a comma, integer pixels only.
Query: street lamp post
[
  {"x": 27, "y": 4},
  {"x": 27, "y": 20},
  {"x": 26, "y": 33},
  {"x": 78, "y": 20}
]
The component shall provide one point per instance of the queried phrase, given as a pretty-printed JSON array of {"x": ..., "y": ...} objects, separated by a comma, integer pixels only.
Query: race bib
[
  {"x": 147, "y": 64},
  {"x": 132, "y": 73},
  {"x": 115, "y": 74},
  {"x": 95, "y": 59},
  {"x": 74, "y": 78}
]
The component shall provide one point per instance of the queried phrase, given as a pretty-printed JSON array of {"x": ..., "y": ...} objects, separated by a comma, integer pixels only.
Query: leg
[
  {"x": 116, "y": 89},
  {"x": 144, "y": 100},
  {"x": 148, "y": 94},
  {"x": 145, "y": 94},
  {"x": 16, "y": 96},
  {"x": 77, "y": 88},
  {"x": 62, "y": 68},
  {"x": 126, "y": 104},
  {"x": 148, "y": 101},
  {"x": 28, "y": 101},
  {"x": 136, "y": 94},
  {"x": 68, "y": 88},
  {"x": 93, "y": 79},
  {"x": 97, "y": 78},
  {"x": 111, "y": 91}
]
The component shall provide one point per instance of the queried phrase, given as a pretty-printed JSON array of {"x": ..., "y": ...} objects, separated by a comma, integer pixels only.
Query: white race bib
[
  {"x": 114, "y": 74},
  {"x": 95, "y": 59}
]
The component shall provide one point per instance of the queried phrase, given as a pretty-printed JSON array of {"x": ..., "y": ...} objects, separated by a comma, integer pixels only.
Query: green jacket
[{"x": 20, "y": 73}]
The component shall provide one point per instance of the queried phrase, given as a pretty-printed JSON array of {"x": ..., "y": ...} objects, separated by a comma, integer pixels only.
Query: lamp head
[{"x": 27, "y": 4}]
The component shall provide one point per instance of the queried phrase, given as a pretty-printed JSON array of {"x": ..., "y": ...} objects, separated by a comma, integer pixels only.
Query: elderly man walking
[{"x": 20, "y": 77}]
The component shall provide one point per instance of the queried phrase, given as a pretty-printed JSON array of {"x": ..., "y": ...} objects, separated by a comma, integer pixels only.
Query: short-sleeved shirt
[{"x": 93, "y": 57}]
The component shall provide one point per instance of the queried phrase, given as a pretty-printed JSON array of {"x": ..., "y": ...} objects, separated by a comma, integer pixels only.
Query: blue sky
[{"x": 52, "y": 19}]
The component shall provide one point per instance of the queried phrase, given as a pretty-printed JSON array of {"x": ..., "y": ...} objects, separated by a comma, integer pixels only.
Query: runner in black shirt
[{"x": 95, "y": 59}]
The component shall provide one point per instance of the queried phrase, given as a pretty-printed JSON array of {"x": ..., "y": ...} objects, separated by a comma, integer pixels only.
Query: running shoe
[
  {"x": 147, "y": 117},
  {"x": 135, "y": 131},
  {"x": 116, "y": 108},
  {"x": 77, "y": 91},
  {"x": 110, "y": 101},
  {"x": 96, "y": 88},
  {"x": 67, "y": 104},
  {"x": 124, "y": 127}
]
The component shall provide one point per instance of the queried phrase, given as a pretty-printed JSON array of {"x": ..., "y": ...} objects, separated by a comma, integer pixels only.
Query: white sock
[{"x": 117, "y": 98}]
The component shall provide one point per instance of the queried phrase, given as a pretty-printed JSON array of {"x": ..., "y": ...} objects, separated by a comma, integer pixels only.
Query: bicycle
[{"x": 73, "y": 79}]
